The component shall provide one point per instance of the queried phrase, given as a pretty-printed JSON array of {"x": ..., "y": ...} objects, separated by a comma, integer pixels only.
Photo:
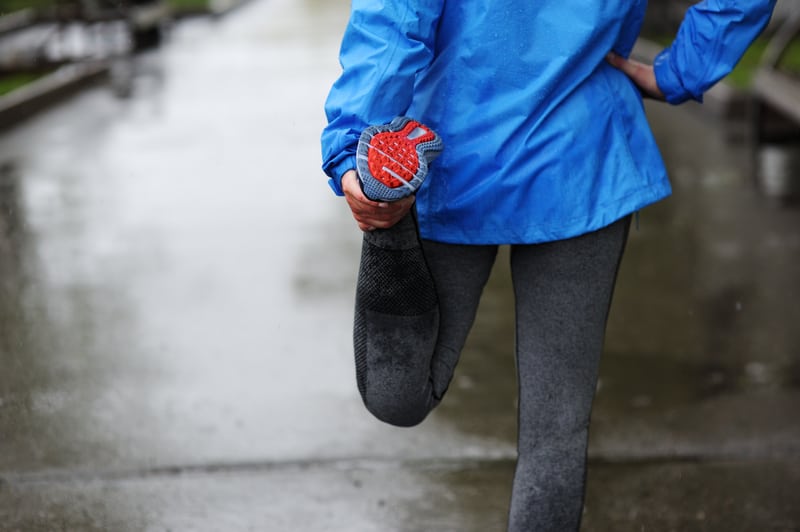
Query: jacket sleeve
[
  {"x": 385, "y": 45},
  {"x": 712, "y": 38}
]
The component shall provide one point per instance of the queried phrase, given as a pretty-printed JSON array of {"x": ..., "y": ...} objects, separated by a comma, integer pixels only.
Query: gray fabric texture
[
  {"x": 563, "y": 293},
  {"x": 415, "y": 304},
  {"x": 405, "y": 354}
]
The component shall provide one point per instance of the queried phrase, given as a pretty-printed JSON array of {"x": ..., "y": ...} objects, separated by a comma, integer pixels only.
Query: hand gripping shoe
[
  {"x": 393, "y": 158},
  {"x": 396, "y": 322}
]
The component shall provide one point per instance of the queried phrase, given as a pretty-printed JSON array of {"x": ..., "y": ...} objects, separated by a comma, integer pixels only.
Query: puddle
[{"x": 661, "y": 382}]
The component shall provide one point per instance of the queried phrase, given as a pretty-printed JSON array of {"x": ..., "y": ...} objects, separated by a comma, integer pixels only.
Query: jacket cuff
[
  {"x": 335, "y": 182},
  {"x": 669, "y": 81}
]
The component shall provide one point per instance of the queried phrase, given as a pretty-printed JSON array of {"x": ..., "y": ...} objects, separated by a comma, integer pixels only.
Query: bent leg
[
  {"x": 563, "y": 291},
  {"x": 413, "y": 313},
  {"x": 460, "y": 272}
]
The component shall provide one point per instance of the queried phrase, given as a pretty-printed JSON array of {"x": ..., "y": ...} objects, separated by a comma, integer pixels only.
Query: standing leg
[
  {"x": 563, "y": 292},
  {"x": 413, "y": 313}
]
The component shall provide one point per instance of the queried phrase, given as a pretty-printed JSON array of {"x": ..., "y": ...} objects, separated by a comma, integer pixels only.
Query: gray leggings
[{"x": 407, "y": 350}]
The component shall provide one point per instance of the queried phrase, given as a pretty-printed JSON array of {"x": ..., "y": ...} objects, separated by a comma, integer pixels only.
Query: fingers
[
  {"x": 616, "y": 61},
  {"x": 384, "y": 216},
  {"x": 641, "y": 74},
  {"x": 370, "y": 215}
]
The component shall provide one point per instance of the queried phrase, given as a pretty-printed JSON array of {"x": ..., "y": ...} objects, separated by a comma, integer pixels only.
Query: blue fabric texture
[
  {"x": 711, "y": 40},
  {"x": 545, "y": 140}
]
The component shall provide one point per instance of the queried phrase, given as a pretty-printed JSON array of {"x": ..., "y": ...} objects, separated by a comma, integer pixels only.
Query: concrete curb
[{"x": 32, "y": 98}]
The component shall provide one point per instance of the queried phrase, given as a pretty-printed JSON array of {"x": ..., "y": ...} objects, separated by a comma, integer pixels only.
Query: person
[{"x": 548, "y": 150}]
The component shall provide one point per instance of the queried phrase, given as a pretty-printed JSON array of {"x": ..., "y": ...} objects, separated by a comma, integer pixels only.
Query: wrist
[{"x": 350, "y": 181}]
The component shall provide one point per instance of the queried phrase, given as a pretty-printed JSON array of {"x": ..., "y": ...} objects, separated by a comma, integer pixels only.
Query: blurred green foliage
[
  {"x": 742, "y": 75},
  {"x": 13, "y": 81},
  {"x": 9, "y": 6},
  {"x": 179, "y": 6}
]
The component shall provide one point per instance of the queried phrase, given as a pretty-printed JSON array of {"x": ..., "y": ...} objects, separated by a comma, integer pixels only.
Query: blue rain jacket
[{"x": 544, "y": 140}]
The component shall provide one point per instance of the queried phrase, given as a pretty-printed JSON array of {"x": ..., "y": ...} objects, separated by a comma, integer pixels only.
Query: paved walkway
[{"x": 176, "y": 287}]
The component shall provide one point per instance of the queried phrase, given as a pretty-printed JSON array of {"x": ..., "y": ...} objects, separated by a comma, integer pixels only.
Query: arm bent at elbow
[{"x": 712, "y": 38}]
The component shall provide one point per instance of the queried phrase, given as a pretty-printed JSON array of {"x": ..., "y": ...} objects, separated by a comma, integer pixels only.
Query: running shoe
[{"x": 393, "y": 159}]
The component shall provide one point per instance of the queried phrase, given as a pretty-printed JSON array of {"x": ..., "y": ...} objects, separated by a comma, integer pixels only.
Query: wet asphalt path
[{"x": 176, "y": 285}]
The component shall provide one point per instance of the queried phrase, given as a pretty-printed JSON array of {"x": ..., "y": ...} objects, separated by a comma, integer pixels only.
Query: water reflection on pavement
[{"x": 177, "y": 285}]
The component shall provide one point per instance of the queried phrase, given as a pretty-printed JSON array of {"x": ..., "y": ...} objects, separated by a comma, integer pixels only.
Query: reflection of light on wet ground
[
  {"x": 176, "y": 338},
  {"x": 628, "y": 381},
  {"x": 192, "y": 294},
  {"x": 779, "y": 171}
]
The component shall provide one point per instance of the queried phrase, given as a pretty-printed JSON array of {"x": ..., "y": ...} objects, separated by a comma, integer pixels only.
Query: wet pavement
[{"x": 176, "y": 286}]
